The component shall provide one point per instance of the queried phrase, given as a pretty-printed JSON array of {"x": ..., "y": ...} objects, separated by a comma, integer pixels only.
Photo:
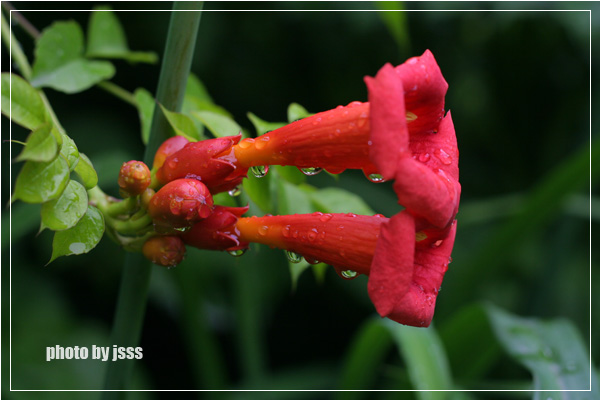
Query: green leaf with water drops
[
  {"x": 41, "y": 145},
  {"x": 364, "y": 359},
  {"x": 106, "y": 39},
  {"x": 425, "y": 359},
  {"x": 22, "y": 102},
  {"x": 59, "y": 61},
  {"x": 337, "y": 200},
  {"x": 39, "y": 182},
  {"x": 145, "y": 105},
  {"x": 219, "y": 125},
  {"x": 553, "y": 351},
  {"x": 181, "y": 124},
  {"x": 262, "y": 126},
  {"x": 259, "y": 189},
  {"x": 81, "y": 238},
  {"x": 86, "y": 172},
  {"x": 65, "y": 211},
  {"x": 69, "y": 151},
  {"x": 295, "y": 112}
]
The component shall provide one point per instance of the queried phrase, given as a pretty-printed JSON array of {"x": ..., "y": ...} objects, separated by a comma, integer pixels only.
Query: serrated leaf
[
  {"x": 81, "y": 238},
  {"x": 145, "y": 105},
  {"x": 39, "y": 182},
  {"x": 65, "y": 211},
  {"x": 59, "y": 61},
  {"x": 24, "y": 104},
  {"x": 41, "y": 145},
  {"x": 86, "y": 172},
  {"x": 181, "y": 124},
  {"x": 295, "y": 112},
  {"x": 106, "y": 38},
  {"x": 552, "y": 350},
  {"x": 337, "y": 200},
  {"x": 219, "y": 125},
  {"x": 69, "y": 151},
  {"x": 262, "y": 126}
]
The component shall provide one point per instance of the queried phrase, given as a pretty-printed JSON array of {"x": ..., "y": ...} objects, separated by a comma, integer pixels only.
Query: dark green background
[{"x": 519, "y": 91}]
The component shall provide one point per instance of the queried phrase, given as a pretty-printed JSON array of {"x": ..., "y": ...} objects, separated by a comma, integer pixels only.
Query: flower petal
[
  {"x": 393, "y": 263},
  {"x": 389, "y": 134},
  {"x": 416, "y": 307}
]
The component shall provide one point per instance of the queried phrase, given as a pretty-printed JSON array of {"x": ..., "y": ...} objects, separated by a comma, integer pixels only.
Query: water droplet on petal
[
  {"x": 349, "y": 274},
  {"x": 311, "y": 261},
  {"x": 236, "y": 191},
  {"x": 376, "y": 178},
  {"x": 244, "y": 144},
  {"x": 261, "y": 142},
  {"x": 286, "y": 231},
  {"x": 293, "y": 257},
  {"x": 312, "y": 234},
  {"x": 326, "y": 217},
  {"x": 310, "y": 171},
  {"x": 444, "y": 157},
  {"x": 237, "y": 253},
  {"x": 424, "y": 157},
  {"x": 263, "y": 230},
  {"x": 259, "y": 171},
  {"x": 438, "y": 243}
]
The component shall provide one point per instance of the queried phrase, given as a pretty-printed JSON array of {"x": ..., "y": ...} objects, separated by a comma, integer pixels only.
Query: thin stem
[
  {"x": 25, "y": 24},
  {"x": 131, "y": 302},
  {"x": 15, "y": 49},
  {"x": 118, "y": 92}
]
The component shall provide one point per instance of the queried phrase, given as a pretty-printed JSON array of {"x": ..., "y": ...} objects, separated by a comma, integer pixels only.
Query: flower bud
[
  {"x": 166, "y": 251},
  {"x": 217, "y": 231},
  {"x": 169, "y": 146},
  {"x": 134, "y": 178},
  {"x": 179, "y": 204},
  {"x": 199, "y": 160}
]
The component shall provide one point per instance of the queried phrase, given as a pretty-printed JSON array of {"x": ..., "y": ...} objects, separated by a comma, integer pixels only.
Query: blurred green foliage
[{"x": 519, "y": 91}]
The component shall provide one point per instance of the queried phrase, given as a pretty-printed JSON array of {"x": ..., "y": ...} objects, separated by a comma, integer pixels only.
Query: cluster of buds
[{"x": 402, "y": 134}]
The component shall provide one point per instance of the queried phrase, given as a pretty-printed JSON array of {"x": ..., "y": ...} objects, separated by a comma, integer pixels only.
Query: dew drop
[
  {"x": 259, "y": 171},
  {"x": 376, "y": 178},
  {"x": 444, "y": 157},
  {"x": 310, "y": 171},
  {"x": 312, "y": 235},
  {"x": 261, "y": 142},
  {"x": 237, "y": 253},
  {"x": 293, "y": 257},
  {"x": 244, "y": 144},
  {"x": 236, "y": 191},
  {"x": 286, "y": 231},
  {"x": 424, "y": 157},
  {"x": 263, "y": 230},
  {"x": 349, "y": 274},
  {"x": 438, "y": 243},
  {"x": 311, "y": 261},
  {"x": 326, "y": 217}
]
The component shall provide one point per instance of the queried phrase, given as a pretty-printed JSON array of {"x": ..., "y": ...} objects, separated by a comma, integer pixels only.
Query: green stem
[
  {"x": 15, "y": 49},
  {"x": 176, "y": 63},
  {"x": 118, "y": 92}
]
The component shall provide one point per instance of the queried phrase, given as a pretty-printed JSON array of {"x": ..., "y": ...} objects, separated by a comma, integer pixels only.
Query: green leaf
[
  {"x": 65, "y": 211},
  {"x": 259, "y": 191},
  {"x": 295, "y": 112},
  {"x": 364, "y": 361},
  {"x": 181, "y": 124},
  {"x": 424, "y": 357},
  {"x": 69, "y": 151},
  {"x": 59, "y": 61},
  {"x": 396, "y": 23},
  {"x": 336, "y": 200},
  {"x": 22, "y": 103},
  {"x": 106, "y": 38},
  {"x": 552, "y": 350},
  {"x": 196, "y": 88},
  {"x": 86, "y": 172},
  {"x": 218, "y": 124},
  {"x": 41, "y": 145},
  {"x": 145, "y": 105},
  {"x": 39, "y": 182},
  {"x": 262, "y": 126},
  {"x": 290, "y": 173},
  {"x": 81, "y": 238}
]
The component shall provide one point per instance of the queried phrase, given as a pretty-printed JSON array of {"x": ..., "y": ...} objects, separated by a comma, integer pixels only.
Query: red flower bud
[
  {"x": 134, "y": 178},
  {"x": 169, "y": 146},
  {"x": 167, "y": 251},
  {"x": 218, "y": 231},
  {"x": 180, "y": 204},
  {"x": 198, "y": 160}
]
